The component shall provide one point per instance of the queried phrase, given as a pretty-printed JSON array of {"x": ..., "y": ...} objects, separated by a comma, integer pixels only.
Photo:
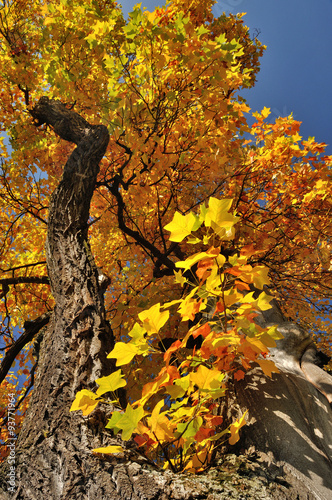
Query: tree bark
[{"x": 290, "y": 418}]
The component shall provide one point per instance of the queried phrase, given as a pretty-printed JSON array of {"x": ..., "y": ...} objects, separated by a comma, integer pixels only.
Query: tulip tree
[{"x": 159, "y": 256}]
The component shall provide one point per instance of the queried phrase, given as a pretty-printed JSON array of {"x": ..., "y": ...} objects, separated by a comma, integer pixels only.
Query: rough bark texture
[{"x": 288, "y": 441}]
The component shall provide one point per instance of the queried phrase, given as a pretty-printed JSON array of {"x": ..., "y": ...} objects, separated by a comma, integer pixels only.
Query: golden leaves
[
  {"x": 183, "y": 423},
  {"x": 164, "y": 83}
]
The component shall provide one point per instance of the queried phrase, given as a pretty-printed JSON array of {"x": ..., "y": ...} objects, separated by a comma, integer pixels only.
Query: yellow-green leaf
[
  {"x": 110, "y": 383},
  {"x": 182, "y": 225},
  {"x": 129, "y": 420},
  {"x": 137, "y": 332}
]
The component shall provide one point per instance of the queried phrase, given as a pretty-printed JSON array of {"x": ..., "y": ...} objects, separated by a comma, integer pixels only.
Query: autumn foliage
[{"x": 193, "y": 209}]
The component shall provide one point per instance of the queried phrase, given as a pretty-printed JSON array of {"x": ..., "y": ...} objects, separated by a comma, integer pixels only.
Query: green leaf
[
  {"x": 189, "y": 430},
  {"x": 137, "y": 332},
  {"x": 112, "y": 423}
]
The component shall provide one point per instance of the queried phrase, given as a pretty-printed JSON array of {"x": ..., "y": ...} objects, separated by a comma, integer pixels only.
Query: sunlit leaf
[{"x": 110, "y": 383}]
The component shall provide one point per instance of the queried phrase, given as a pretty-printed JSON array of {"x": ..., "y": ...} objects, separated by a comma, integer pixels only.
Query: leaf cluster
[{"x": 182, "y": 425}]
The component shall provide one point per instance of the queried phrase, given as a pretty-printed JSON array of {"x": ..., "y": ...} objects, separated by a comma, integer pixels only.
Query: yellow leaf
[
  {"x": 179, "y": 388},
  {"x": 153, "y": 319},
  {"x": 231, "y": 297},
  {"x": 260, "y": 276},
  {"x": 265, "y": 112},
  {"x": 274, "y": 333},
  {"x": 152, "y": 387},
  {"x": 192, "y": 260},
  {"x": 206, "y": 379},
  {"x": 257, "y": 275},
  {"x": 123, "y": 353},
  {"x": 190, "y": 307},
  {"x": 91, "y": 38},
  {"x": 182, "y": 225},
  {"x": 109, "y": 449},
  {"x": 160, "y": 424},
  {"x": 234, "y": 428},
  {"x": 263, "y": 301},
  {"x": 84, "y": 400},
  {"x": 256, "y": 344},
  {"x": 217, "y": 211},
  {"x": 267, "y": 366},
  {"x": 218, "y": 217},
  {"x": 179, "y": 278},
  {"x": 199, "y": 460},
  {"x": 225, "y": 339},
  {"x": 267, "y": 340}
]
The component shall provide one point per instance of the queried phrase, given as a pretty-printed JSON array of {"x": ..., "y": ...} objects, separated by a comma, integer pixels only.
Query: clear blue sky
[{"x": 296, "y": 69}]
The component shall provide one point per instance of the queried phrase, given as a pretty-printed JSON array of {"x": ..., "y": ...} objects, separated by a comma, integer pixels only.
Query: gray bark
[
  {"x": 290, "y": 418},
  {"x": 286, "y": 448}
]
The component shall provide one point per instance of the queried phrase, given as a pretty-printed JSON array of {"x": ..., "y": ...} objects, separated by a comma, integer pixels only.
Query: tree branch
[
  {"x": 162, "y": 258},
  {"x": 5, "y": 282},
  {"x": 31, "y": 328}
]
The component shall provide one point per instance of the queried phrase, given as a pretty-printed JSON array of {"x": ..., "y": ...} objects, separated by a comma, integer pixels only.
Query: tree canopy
[{"x": 193, "y": 209}]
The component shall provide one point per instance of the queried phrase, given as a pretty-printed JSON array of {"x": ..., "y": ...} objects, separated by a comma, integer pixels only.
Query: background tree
[{"x": 153, "y": 107}]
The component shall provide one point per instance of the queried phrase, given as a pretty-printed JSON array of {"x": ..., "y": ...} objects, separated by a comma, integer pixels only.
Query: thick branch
[
  {"x": 31, "y": 328},
  {"x": 69, "y": 125},
  {"x": 70, "y": 202}
]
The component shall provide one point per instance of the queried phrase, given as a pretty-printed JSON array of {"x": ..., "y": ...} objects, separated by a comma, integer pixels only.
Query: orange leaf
[
  {"x": 174, "y": 347},
  {"x": 239, "y": 375},
  {"x": 203, "y": 330}
]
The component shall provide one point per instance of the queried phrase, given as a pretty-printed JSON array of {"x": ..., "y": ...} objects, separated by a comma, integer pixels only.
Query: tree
[{"x": 153, "y": 107}]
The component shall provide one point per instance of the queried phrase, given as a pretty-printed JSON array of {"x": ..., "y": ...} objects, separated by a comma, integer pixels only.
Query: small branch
[
  {"x": 25, "y": 92},
  {"x": 43, "y": 280},
  {"x": 26, "y": 392},
  {"x": 10, "y": 269}
]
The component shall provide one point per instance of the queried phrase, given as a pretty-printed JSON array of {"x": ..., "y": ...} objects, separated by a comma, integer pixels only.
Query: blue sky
[{"x": 296, "y": 69}]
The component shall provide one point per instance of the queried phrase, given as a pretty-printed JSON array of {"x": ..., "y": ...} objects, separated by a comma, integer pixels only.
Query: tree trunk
[
  {"x": 290, "y": 414},
  {"x": 290, "y": 419}
]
